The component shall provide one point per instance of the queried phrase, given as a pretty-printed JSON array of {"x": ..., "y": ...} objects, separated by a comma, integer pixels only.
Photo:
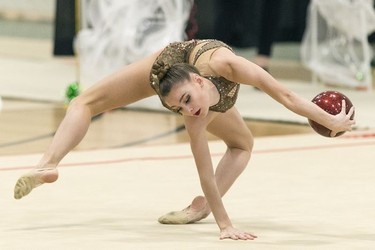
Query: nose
[{"x": 189, "y": 109}]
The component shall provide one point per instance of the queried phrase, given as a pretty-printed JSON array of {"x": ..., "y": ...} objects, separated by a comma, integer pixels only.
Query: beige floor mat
[{"x": 298, "y": 192}]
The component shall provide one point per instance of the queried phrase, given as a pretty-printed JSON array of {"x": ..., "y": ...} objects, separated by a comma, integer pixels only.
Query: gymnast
[{"x": 200, "y": 80}]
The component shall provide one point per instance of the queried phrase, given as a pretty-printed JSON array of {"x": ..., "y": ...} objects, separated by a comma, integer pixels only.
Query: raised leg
[{"x": 123, "y": 87}]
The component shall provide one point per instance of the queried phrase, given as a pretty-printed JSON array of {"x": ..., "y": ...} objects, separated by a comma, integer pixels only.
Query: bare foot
[
  {"x": 197, "y": 211},
  {"x": 33, "y": 179}
]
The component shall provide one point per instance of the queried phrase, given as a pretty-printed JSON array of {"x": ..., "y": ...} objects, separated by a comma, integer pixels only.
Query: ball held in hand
[{"x": 331, "y": 102}]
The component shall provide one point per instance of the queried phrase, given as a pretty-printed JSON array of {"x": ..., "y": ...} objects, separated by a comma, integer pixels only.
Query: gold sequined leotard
[{"x": 179, "y": 52}]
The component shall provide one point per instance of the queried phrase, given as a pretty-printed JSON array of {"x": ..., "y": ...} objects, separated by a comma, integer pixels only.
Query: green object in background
[
  {"x": 71, "y": 92},
  {"x": 360, "y": 76}
]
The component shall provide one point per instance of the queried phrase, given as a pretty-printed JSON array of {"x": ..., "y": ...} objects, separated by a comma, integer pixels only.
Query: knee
[
  {"x": 79, "y": 106},
  {"x": 242, "y": 154},
  {"x": 248, "y": 142},
  {"x": 75, "y": 104},
  {"x": 246, "y": 147}
]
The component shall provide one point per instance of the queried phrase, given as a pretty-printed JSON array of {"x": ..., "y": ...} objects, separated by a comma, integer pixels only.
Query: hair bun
[{"x": 160, "y": 69}]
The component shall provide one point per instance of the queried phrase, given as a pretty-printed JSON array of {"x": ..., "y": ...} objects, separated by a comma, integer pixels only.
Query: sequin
[
  {"x": 179, "y": 52},
  {"x": 228, "y": 93}
]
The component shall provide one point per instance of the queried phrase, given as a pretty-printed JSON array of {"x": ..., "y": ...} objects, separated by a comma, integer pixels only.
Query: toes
[
  {"x": 179, "y": 217},
  {"x": 35, "y": 178},
  {"x": 24, "y": 186}
]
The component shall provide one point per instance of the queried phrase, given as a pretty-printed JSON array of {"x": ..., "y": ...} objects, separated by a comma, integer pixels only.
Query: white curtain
[
  {"x": 118, "y": 32},
  {"x": 335, "y": 45}
]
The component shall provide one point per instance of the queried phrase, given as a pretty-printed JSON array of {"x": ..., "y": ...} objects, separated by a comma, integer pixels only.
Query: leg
[
  {"x": 239, "y": 141},
  {"x": 123, "y": 87}
]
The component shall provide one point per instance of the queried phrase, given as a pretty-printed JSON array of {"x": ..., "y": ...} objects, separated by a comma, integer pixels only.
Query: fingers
[
  {"x": 351, "y": 111},
  {"x": 350, "y": 115},
  {"x": 345, "y": 121},
  {"x": 343, "y": 109},
  {"x": 332, "y": 134},
  {"x": 237, "y": 236},
  {"x": 343, "y": 106}
]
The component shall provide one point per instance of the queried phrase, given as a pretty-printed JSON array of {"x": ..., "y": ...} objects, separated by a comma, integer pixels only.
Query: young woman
[{"x": 205, "y": 95}]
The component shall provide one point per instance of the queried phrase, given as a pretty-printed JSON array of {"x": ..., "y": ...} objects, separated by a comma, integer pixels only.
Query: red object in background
[{"x": 331, "y": 102}]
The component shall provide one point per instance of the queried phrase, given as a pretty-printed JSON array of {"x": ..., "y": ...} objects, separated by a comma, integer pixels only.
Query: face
[{"x": 189, "y": 98}]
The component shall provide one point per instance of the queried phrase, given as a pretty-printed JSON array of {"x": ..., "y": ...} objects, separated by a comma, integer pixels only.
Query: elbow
[{"x": 289, "y": 100}]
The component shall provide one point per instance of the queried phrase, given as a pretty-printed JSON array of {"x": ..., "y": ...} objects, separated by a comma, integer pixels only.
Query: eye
[
  {"x": 187, "y": 99},
  {"x": 177, "y": 110}
]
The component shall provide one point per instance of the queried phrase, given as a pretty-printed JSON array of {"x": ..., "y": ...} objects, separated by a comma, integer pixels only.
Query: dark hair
[{"x": 177, "y": 73}]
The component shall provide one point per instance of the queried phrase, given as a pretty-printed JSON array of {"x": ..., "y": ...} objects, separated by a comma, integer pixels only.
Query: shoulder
[{"x": 221, "y": 62}]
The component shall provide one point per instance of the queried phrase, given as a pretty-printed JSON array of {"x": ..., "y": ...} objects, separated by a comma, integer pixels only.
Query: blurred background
[{"x": 49, "y": 47}]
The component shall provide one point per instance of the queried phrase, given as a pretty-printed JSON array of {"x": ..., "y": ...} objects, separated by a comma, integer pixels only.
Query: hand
[
  {"x": 235, "y": 234},
  {"x": 342, "y": 120}
]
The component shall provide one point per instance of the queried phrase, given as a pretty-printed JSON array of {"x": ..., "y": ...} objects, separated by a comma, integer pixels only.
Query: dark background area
[{"x": 236, "y": 22}]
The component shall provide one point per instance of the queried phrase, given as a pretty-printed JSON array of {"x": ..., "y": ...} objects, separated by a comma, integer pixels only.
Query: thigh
[
  {"x": 231, "y": 128},
  {"x": 128, "y": 85}
]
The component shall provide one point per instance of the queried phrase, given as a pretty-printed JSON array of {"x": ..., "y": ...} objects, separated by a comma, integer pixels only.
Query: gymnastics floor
[{"x": 298, "y": 192}]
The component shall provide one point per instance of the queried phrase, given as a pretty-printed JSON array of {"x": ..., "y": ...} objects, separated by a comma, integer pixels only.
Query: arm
[
  {"x": 238, "y": 69},
  {"x": 199, "y": 146}
]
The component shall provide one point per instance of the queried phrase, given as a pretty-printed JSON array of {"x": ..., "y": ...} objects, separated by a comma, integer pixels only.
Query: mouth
[{"x": 197, "y": 113}]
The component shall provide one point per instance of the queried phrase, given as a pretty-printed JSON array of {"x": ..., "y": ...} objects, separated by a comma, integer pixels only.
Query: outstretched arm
[{"x": 239, "y": 69}]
